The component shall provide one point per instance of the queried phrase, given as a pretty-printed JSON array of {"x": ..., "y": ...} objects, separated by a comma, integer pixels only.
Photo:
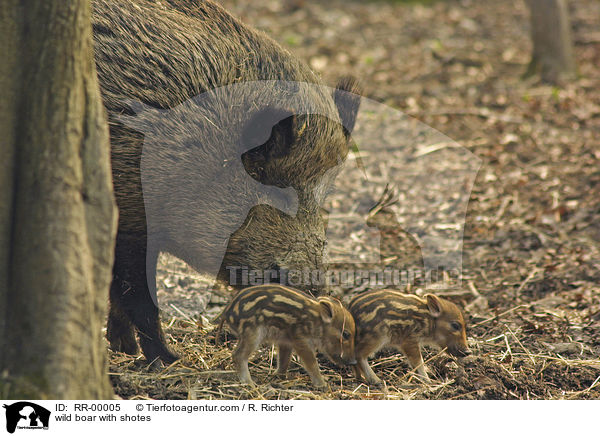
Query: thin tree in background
[
  {"x": 57, "y": 212},
  {"x": 552, "y": 55}
]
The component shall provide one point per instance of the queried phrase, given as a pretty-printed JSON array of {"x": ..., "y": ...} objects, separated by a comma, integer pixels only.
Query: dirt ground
[{"x": 530, "y": 249}]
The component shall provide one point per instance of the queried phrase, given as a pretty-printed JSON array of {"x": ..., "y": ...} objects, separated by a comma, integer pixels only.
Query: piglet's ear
[
  {"x": 434, "y": 305},
  {"x": 326, "y": 309},
  {"x": 347, "y": 101}
]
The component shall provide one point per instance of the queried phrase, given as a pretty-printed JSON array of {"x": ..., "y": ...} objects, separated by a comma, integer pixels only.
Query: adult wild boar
[{"x": 222, "y": 148}]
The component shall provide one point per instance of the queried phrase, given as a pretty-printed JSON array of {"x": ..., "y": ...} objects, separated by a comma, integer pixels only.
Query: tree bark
[
  {"x": 552, "y": 55},
  {"x": 57, "y": 212}
]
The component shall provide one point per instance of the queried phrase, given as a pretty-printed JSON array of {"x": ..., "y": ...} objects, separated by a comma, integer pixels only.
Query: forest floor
[{"x": 530, "y": 282}]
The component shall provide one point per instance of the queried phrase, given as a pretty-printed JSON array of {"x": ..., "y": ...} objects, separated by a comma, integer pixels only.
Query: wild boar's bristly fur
[{"x": 163, "y": 57}]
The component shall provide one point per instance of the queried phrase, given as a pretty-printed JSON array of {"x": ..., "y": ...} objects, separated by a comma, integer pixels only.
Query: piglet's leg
[
  {"x": 363, "y": 351},
  {"x": 413, "y": 352},
  {"x": 309, "y": 360},
  {"x": 366, "y": 369},
  {"x": 284, "y": 354},
  {"x": 247, "y": 345}
]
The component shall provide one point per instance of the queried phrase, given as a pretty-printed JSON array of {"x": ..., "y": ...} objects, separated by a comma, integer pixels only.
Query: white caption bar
[{"x": 294, "y": 417}]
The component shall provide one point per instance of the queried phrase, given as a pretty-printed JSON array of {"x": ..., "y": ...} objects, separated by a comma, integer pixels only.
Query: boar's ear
[
  {"x": 326, "y": 309},
  {"x": 347, "y": 100},
  {"x": 434, "y": 305}
]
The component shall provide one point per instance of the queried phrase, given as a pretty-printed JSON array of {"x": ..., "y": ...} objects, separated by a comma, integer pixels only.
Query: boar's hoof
[
  {"x": 125, "y": 345},
  {"x": 121, "y": 337},
  {"x": 154, "y": 350}
]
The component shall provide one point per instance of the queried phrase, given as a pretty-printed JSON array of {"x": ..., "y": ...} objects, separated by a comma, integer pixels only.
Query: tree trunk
[
  {"x": 552, "y": 55},
  {"x": 57, "y": 213}
]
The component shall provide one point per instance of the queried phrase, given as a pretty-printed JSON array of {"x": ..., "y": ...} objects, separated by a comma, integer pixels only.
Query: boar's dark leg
[
  {"x": 120, "y": 331},
  {"x": 132, "y": 305}
]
